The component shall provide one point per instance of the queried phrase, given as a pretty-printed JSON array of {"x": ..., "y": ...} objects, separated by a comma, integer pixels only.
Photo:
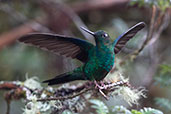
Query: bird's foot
[
  {"x": 97, "y": 86},
  {"x": 100, "y": 88},
  {"x": 103, "y": 85}
]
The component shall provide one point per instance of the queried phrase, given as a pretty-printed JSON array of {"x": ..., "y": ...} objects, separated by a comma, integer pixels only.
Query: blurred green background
[{"x": 150, "y": 68}]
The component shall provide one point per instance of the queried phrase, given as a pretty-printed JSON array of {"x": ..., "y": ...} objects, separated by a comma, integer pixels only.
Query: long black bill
[{"x": 86, "y": 30}]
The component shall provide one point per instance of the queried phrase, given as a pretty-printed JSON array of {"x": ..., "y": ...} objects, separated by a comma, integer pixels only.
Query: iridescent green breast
[{"x": 101, "y": 61}]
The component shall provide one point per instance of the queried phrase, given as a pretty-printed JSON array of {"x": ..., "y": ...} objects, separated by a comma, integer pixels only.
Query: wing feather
[
  {"x": 121, "y": 41},
  {"x": 59, "y": 44}
]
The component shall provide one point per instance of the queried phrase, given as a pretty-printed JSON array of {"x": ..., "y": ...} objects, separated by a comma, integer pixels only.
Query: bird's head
[{"x": 100, "y": 36}]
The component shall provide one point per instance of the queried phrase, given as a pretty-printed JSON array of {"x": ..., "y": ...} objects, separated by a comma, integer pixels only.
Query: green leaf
[
  {"x": 136, "y": 112},
  {"x": 120, "y": 110},
  {"x": 67, "y": 112},
  {"x": 161, "y": 4},
  {"x": 164, "y": 75},
  {"x": 100, "y": 107},
  {"x": 164, "y": 80},
  {"x": 150, "y": 111},
  {"x": 163, "y": 103},
  {"x": 165, "y": 68}
]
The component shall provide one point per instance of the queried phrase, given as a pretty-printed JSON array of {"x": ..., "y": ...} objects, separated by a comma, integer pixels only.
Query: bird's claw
[
  {"x": 97, "y": 86},
  {"x": 103, "y": 85},
  {"x": 100, "y": 88}
]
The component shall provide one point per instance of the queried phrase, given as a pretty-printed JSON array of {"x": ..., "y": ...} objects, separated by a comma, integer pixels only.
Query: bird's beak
[{"x": 86, "y": 30}]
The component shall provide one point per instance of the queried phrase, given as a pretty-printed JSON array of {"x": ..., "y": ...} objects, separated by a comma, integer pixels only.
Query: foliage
[
  {"x": 101, "y": 108},
  {"x": 163, "y": 103},
  {"x": 164, "y": 76},
  {"x": 164, "y": 79},
  {"x": 161, "y": 4},
  {"x": 165, "y": 69},
  {"x": 67, "y": 112}
]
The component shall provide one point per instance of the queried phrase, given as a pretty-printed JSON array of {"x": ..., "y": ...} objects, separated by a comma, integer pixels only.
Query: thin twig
[
  {"x": 107, "y": 87},
  {"x": 64, "y": 97},
  {"x": 8, "y": 107},
  {"x": 149, "y": 36},
  {"x": 164, "y": 24}
]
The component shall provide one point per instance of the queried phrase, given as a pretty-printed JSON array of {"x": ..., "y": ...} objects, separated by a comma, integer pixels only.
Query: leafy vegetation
[
  {"x": 161, "y": 4},
  {"x": 164, "y": 79}
]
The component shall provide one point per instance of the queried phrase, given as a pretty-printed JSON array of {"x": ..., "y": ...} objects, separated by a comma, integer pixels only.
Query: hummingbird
[{"x": 98, "y": 59}]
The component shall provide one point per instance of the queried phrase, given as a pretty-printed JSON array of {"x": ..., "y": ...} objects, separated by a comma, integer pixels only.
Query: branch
[
  {"x": 8, "y": 86},
  {"x": 157, "y": 25},
  {"x": 32, "y": 92},
  {"x": 15, "y": 92},
  {"x": 108, "y": 87}
]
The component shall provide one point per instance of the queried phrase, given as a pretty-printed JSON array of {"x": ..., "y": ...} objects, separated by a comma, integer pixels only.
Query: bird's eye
[{"x": 105, "y": 35}]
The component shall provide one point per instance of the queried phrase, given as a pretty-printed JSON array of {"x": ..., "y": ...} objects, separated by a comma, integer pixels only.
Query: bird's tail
[{"x": 64, "y": 78}]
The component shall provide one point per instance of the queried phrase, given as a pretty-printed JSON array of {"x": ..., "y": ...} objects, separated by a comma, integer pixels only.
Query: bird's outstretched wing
[
  {"x": 120, "y": 42},
  {"x": 59, "y": 44}
]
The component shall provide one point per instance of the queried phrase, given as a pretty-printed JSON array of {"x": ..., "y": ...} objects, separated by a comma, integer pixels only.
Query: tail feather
[{"x": 64, "y": 78}]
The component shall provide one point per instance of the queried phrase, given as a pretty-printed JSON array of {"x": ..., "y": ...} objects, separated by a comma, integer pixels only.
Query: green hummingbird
[{"x": 98, "y": 59}]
